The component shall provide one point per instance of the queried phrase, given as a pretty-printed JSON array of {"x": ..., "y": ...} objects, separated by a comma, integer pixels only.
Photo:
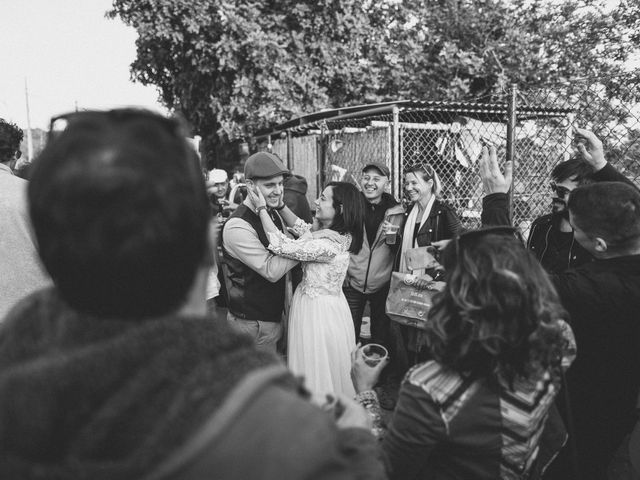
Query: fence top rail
[{"x": 359, "y": 116}]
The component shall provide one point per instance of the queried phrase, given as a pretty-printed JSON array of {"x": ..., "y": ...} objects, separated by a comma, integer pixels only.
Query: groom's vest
[{"x": 249, "y": 295}]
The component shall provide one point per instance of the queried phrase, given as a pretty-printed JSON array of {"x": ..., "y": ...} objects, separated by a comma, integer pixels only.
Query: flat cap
[{"x": 264, "y": 165}]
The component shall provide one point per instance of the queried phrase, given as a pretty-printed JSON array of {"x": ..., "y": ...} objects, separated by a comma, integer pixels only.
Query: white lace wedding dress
[{"x": 321, "y": 333}]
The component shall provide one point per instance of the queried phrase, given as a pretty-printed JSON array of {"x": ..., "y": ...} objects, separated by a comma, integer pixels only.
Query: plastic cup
[
  {"x": 391, "y": 233},
  {"x": 374, "y": 353}
]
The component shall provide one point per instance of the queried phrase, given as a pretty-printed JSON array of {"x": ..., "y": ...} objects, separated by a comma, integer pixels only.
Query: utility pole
[{"x": 29, "y": 137}]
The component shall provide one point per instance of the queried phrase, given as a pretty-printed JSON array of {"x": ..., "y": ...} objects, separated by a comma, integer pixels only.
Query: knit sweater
[{"x": 93, "y": 398}]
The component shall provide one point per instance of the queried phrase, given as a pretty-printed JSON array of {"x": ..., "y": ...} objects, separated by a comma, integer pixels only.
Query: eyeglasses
[
  {"x": 560, "y": 191},
  {"x": 471, "y": 236}
]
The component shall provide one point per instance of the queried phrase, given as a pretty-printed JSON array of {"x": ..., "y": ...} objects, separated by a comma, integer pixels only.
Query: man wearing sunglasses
[
  {"x": 602, "y": 299},
  {"x": 551, "y": 237}
]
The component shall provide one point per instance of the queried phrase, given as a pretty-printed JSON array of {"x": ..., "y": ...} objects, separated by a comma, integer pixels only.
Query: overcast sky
[{"x": 68, "y": 52}]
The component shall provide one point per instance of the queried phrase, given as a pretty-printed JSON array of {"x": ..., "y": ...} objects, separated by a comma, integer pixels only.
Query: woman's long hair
[
  {"x": 498, "y": 315},
  {"x": 349, "y": 218}
]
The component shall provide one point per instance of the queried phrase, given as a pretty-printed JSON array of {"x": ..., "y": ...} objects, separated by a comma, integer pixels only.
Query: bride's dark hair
[{"x": 349, "y": 206}]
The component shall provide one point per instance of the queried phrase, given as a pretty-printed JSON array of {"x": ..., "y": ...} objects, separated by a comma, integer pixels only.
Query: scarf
[{"x": 408, "y": 241}]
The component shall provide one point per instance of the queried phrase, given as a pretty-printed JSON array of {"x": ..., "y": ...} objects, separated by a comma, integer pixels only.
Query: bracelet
[
  {"x": 277, "y": 209},
  {"x": 367, "y": 398},
  {"x": 261, "y": 207}
]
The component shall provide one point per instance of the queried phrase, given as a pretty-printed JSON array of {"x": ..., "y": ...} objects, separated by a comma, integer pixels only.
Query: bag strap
[{"x": 244, "y": 392}]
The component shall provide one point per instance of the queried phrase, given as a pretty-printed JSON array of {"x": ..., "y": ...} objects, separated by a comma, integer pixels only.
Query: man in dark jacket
[
  {"x": 551, "y": 236},
  {"x": 602, "y": 299},
  {"x": 117, "y": 368}
]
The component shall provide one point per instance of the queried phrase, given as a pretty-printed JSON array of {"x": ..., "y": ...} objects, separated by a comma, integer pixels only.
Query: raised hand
[
  {"x": 590, "y": 147},
  {"x": 493, "y": 180}
]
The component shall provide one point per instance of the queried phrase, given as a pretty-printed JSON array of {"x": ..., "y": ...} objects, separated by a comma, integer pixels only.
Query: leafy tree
[{"x": 235, "y": 66}]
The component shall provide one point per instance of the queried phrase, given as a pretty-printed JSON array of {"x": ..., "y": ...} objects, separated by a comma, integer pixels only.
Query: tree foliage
[{"x": 235, "y": 66}]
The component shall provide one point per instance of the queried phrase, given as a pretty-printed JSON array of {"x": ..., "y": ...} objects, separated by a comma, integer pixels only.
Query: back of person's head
[
  {"x": 349, "y": 206},
  {"x": 607, "y": 210},
  {"x": 120, "y": 213},
  {"x": 498, "y": 313},
  {"x": 10, "y": 137},
  {"x": 575, "y": 169}
]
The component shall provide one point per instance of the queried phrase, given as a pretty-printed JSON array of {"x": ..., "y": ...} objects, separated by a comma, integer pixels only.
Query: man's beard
[{"x": 559, "y": 207}]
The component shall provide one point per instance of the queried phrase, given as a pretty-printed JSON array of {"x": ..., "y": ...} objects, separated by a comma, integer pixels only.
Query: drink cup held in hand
[
  {"x": 391, "y": 233},
  {"x": 374, "y": 354}
]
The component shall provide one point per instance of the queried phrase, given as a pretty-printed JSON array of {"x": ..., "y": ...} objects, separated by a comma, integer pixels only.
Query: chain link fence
[
  {"x": 449, "y": 137},
  {"x": 609, "y": 108}
]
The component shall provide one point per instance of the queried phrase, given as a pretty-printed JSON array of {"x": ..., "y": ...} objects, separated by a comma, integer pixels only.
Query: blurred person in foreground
[
  {"x": 602, "y": 299},
  {"x": 20, "y": 269},
  {"x": 117, "y": 372},
  {"x": 481, "y": 407}
]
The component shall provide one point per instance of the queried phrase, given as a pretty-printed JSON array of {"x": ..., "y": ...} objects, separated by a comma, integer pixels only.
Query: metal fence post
[
  {"x": 568, "y": 139},
  {"x": 289, "y": 151},
  {"x": 396, "y": 167},
  {"x": 511, "y": 139},
  {"x": 320, "y": 177}
]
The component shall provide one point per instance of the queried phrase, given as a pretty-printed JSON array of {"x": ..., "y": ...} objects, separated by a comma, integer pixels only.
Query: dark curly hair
[
  {"x": 498, "y": 315},
  {"x": 10, "y": 137}
]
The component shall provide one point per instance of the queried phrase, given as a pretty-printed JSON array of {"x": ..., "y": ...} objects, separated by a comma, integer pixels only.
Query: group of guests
[{"x": 118, "y": 371}]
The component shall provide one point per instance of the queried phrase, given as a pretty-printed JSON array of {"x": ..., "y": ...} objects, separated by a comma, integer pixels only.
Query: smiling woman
[{"x": 427, "y": 220}]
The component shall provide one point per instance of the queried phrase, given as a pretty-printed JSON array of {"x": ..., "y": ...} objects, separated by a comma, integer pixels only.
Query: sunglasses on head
[
  {"x": 559, "y": 190},
  {"x": 428, "y": 171},
  {"x": 60, "y": 123},
  {"x": 122, "y": 116}
]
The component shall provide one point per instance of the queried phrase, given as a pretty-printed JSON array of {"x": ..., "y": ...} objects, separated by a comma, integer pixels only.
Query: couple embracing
[{"x": 262, "y": 241}]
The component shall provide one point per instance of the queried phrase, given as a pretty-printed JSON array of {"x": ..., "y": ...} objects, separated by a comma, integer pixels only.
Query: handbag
[
  {"x": 421, "y": 258},
  {"x": 407, "y": 304}
]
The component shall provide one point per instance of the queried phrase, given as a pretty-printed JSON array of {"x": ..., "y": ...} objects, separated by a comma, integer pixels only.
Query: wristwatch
[
  {"x": 277, "y": 209},
  {"x": 261, "y": 207}
]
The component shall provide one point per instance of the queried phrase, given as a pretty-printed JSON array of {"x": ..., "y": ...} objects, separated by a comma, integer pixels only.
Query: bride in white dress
[{"x": 321, "y": 333}]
